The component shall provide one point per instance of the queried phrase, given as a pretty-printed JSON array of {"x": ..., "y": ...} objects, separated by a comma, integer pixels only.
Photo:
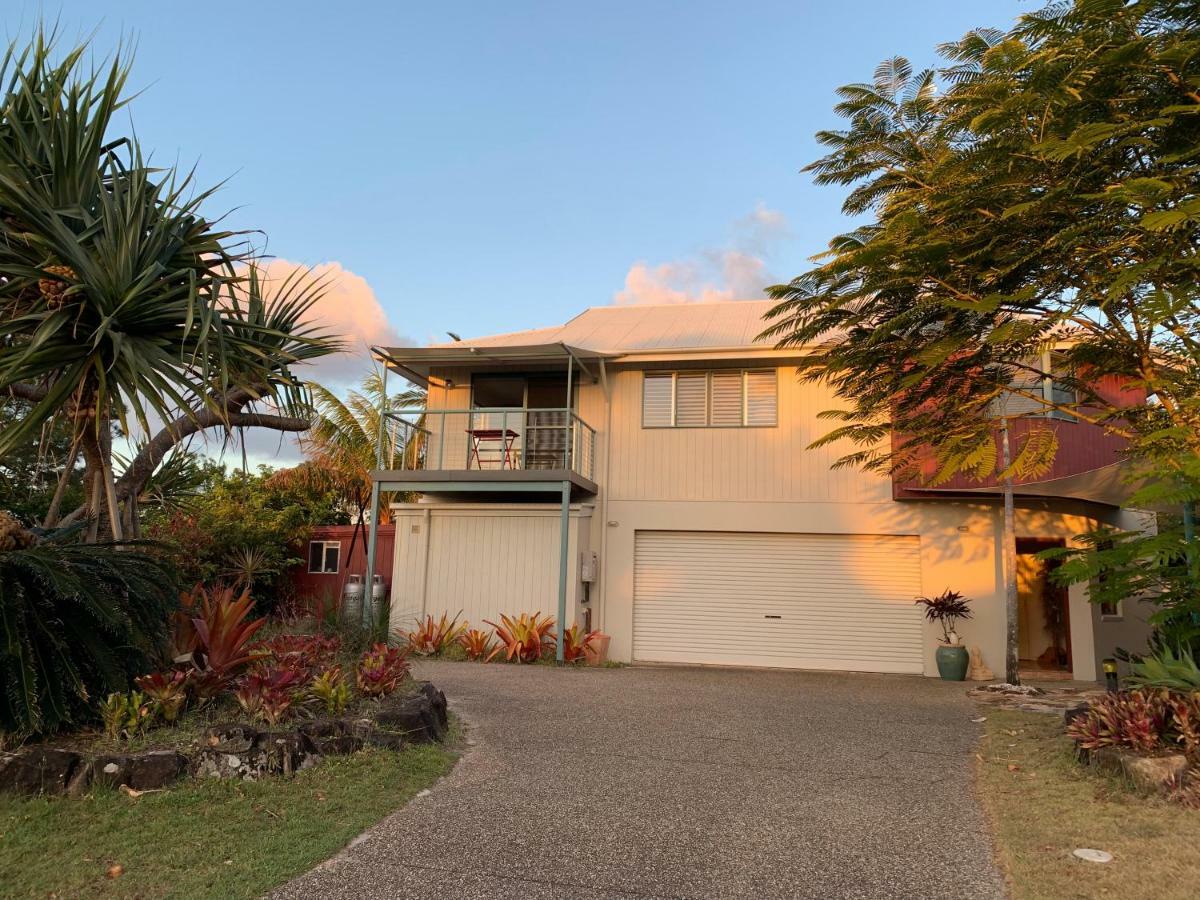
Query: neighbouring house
[{"x": 648, "y": 470}]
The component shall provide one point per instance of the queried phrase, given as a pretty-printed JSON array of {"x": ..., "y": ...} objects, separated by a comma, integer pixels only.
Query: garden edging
[{"x": 234, "y": 750}]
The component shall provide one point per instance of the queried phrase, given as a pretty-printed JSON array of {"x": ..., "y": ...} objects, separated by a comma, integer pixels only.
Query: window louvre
[
  {"x": 691, "y": 399},
  {"x": 726, "y": 399},
  {"x": 762, "y": 398},
  {"x": 657, "y": 401}
]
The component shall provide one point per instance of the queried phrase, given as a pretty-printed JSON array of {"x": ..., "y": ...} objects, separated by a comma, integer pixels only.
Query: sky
[{"x": 482, "y": 167}]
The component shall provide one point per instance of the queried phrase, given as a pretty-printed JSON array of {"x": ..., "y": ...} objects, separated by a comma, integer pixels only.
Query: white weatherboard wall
[
  {"x": 483, "y": 560},
  {"x": 812, "y": 601}
]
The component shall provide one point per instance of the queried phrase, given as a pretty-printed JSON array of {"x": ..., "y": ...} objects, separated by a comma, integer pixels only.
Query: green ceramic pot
[{"x": 952, "y": 663}]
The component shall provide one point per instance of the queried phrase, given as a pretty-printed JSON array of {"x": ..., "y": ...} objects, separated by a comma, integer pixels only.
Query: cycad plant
[{"x": 77, "y": 623}]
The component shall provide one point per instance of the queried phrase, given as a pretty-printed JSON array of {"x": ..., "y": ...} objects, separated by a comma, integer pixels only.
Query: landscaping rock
[
  {"x": 1152, "y": 774},
  {"x": 370, "y": 736},
  {"x": 231, "y": 738},
  {"x": 280, "y": 753},
  {"x": 152, "y": 770},
  {"x": 37, "y": 770},
  {"x": 437, "y": 699},
  {"x": 419, "y": 717},
  {"x": 331, "y": 737}
]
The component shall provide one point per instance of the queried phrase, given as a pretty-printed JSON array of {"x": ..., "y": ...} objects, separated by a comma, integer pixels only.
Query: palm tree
[
  {"x": 341, "y": 444},
  {"x": 120, "y": 302}
]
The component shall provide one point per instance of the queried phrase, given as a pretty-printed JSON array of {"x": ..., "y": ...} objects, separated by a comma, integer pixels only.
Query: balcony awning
[
  {"x": 1109, "y": 485},
  {"x": 415, "y": 363}
]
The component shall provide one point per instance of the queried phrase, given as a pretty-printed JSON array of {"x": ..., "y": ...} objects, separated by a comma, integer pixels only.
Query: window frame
[
  {"x": 708, "y": 374},
  {"x": 325, "y": 545}
]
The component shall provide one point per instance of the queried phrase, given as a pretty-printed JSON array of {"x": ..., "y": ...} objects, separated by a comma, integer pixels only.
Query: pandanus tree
[{"x": 123, "y": 307}]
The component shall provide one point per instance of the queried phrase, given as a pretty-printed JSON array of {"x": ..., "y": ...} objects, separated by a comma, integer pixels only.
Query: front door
[{"x": 1043, "y": 620}]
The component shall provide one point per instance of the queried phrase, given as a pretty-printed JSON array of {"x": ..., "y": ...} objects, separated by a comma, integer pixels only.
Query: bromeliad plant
[
  {"x": 1137, "y": 720},
  {"x": 167, "y": 691},
  {"x": 1166, "y": 669},
  {"x": 576, "y": 643},
  {"x": 946, "y": 609},
  {"x": 223, "y": 639},
  {"x": 331, "y": 689},
  {"x": 126, "y": 715},
  {"x": 524, "y": 638},
  {"x": 476, "y": 643},
  {"x": 434, "y": 636},
  {"x": 303, "y": 653},
  {"x": 380, "y": 670},
  {"x": 269, "y": 695}
]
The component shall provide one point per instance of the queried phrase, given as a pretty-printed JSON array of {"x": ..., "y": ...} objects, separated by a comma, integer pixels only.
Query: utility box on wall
[{"x": 589, "y": 567}]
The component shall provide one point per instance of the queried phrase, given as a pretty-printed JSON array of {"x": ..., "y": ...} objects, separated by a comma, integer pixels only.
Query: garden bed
[{"x": 1043, "y": 805}]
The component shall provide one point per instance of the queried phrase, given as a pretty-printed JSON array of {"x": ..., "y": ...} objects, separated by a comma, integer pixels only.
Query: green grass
[
  {"x": 1048, "y": 805},
  {"x": 205, "y": 838}
]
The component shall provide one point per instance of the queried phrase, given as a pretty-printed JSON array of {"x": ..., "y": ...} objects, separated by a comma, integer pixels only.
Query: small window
[
  {"x": 733, "y": 398},
  {"x": 323, "y": 557}
]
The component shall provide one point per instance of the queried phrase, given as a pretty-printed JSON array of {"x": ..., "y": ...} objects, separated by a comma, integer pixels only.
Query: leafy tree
[
  {"x": 121, "y": 301},
  {"x": 32, "y": 473},
  {"x": 1039, "y": 190},
  {"x": 244, "y": 529}
]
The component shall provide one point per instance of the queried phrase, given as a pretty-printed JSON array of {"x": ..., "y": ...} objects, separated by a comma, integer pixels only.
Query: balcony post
[
  {"x": 569, "y": 421},
  {"x": 564, "y": 547},
  {"x": 373, "y": 534}
]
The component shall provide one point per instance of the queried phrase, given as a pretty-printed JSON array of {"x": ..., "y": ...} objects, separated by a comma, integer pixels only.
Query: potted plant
[{"x": 946, "y": 609}]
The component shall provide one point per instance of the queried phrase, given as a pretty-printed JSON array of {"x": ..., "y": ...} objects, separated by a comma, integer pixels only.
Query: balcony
[{"x": 517, "y": 450}]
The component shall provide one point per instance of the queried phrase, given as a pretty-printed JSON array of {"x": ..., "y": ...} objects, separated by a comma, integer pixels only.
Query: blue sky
[{"x": 492, "y": 166}]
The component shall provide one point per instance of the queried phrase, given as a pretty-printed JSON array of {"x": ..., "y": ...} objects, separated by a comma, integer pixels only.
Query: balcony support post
[
  {"x": 564, "y": 547},
  {"x": 373, "y": 534},
  {"x": 569, "y": 422}
]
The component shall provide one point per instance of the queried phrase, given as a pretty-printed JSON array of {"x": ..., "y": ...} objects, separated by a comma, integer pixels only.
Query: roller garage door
[{"x": 806, "y": 601}]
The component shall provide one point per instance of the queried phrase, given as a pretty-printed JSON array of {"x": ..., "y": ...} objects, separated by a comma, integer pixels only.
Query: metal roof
[
  {"x": 600, "y": 332},
  {"x": 613, "y": 330}
]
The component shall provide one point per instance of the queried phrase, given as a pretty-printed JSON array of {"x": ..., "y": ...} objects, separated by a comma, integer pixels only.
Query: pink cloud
[
  {"x": 347, "y": 308},
  {"x": 737, "y": 271}
]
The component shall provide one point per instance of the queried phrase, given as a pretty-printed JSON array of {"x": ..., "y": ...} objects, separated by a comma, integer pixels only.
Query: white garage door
[{"x": 809, "y": 601}]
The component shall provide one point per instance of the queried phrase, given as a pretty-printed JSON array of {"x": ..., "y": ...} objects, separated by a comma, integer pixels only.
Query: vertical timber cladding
[{"x": 806, "y": 601}]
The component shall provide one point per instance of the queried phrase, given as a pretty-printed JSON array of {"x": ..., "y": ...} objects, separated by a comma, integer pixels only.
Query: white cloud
[{"x": 736, "y": 271}]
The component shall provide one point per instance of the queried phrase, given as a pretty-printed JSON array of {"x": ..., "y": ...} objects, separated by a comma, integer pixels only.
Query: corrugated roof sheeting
[{"x": 624, "y": 329}]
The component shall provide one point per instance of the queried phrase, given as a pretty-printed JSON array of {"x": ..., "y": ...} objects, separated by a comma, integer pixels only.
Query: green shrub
[{"x": 77, "y": 622}]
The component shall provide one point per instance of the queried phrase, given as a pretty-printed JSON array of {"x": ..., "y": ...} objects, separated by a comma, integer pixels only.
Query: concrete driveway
[{"x": 686, "y": 782}]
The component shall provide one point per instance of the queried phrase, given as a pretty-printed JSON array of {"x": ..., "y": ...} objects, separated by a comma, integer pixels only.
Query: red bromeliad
[
  {"x": 524, "y": 638},
  {"x": 380, "y": 670}
]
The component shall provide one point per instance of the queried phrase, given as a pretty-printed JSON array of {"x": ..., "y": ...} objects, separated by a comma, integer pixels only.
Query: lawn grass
[
  {"x": 1048, "y": 806},
  {"x": 206, "y": 838}
]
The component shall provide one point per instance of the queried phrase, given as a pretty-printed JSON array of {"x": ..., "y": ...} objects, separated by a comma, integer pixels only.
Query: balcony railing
[{"x": 495, "y": 439}]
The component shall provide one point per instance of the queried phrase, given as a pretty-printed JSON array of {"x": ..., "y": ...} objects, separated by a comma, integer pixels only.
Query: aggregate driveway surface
[{"x": 686, "y": 782}]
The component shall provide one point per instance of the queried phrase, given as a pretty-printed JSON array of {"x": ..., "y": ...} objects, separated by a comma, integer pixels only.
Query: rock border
[{"x": 234, "y": 750}]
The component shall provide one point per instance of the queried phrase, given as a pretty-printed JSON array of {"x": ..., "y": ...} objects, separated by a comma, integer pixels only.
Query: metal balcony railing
[{"x": 497, "y": 439}]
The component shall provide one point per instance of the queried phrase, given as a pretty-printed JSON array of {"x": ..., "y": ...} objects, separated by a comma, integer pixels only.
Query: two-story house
[{"x": 648, "y": 471}]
